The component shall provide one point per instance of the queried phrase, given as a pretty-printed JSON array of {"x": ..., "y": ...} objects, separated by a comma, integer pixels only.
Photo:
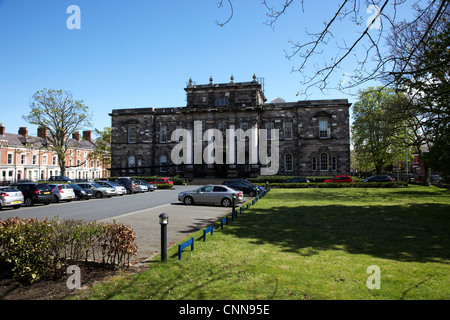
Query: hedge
[
  {"x": 337, "y": 185},
  {"x": 31, "y": 248}
]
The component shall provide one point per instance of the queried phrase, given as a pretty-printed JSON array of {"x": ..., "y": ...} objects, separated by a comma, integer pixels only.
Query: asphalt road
[{"x": 98, "y": 209}]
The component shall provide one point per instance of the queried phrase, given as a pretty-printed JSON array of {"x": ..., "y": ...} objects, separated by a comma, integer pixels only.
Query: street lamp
[{"x": 164, "y": 221}]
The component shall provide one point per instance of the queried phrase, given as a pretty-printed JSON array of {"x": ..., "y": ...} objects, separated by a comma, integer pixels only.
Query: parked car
[
  {"x": 259, "y": 188},
  {"x": 340, "y": 179},
  {"x": 35, "y": 193},
  {"x": 246, "y": 188},
  {"x": 150, "y": 186},
  {"x": 60, "y": 178},
  {"x": 81, "y": 193},
  {"x": 130, "y": 184},
  {"x": 378, "y": 178},
  {"x": 162, "y": 181},
  {"x": 120, "y": 190},
  {"x": 62, "y": 192},
  {"x": 436, "y": 178},
  {"x": 214, "y": 194},
  {"x": 298, "y": 180},
  {"x": 10, "y": 197},
  {"x": 98, "y": 190}
]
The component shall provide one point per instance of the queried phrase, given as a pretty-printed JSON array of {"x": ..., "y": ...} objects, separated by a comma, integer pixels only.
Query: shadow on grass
[{"x": 419, "y": 232}]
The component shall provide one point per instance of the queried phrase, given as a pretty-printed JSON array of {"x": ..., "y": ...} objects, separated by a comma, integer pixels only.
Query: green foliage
[
  {"x": 378, "y": 137},
  {"x": 338, "y": 185},
  {"x": 33, "y": 249}
]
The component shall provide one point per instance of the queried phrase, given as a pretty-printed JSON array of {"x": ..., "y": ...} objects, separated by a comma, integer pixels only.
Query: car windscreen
[{"x": 43, "y": 186}]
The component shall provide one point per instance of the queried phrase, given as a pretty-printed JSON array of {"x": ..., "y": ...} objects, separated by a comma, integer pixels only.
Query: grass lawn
[{"x": 310, "y": 244}]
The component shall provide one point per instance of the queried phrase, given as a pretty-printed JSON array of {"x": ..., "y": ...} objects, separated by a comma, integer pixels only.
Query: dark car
[
  {"x": 130, "y": 184},
  {"x": 378, "y": 178},
  {"x": 81, "y": 193},
  {"x": 246, "y": 188},
  {"x": 297, "y": 180},
  {"x": 60, "y": 178},
  {"x": 35, "y": 193}
]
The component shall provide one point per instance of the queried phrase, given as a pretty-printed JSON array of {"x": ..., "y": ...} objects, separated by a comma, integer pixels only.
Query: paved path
[{"x": 183, "y": 220}]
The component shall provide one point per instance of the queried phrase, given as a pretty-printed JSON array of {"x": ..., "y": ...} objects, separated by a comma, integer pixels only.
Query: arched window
[
  {"x": 323, "y": 162},
  {"x": 163, "y": 163},
  {"x": 288, "y": 162}
]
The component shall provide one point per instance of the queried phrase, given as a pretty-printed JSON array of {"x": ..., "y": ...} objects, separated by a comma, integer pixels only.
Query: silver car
[
  {"x": 62, "y": 192},
  {"x": 97, "y": 190},
  {"x": 10, "y": 197},
  {"x": 215, "y": 194},
  {"x": 120, "y": 190}
]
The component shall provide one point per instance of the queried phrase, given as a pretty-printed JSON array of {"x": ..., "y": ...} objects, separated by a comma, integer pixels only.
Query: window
[
  {"x": 287, "y": 127},
  {"x": 54, "y": 160},
  {"x": 334, "y": 163},
  {"x": 288, "y": 162},
  {"x": 44, "y": 159},
  {"x": 163, "y": 163},
  {"x": 323, "y": 129},
  {"x": 269, "y": 127},
  {"x": 163, "y": 134},
  {"x": 323, "y": 162},
  {"x": 219, "y": 189},
  {"x": 34, "y": 159},
  {"x": 222, "y": 128},
  {"x": 132, "y": 134},
  {"x": 314, "y": 164},
  {"x": 221, "y": 102},
  {"x": 9, "y": 160},
  {"x": 131, "y": 162},
  {"x": 22, "y": 159}
]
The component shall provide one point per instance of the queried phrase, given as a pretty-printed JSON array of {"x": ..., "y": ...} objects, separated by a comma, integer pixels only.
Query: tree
[
  {"x": 364, "y": 47},
  {"x": 379, "y": 140},
  {"x": 102, "y": 145},
  {"x": 61, "y": 115}
]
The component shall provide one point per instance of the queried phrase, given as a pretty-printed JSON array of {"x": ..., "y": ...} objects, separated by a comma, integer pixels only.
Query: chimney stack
[
  {"x": 23, "y": 131},
  {"x": 87, "y": 135},
  {"x": 76, "y": 135},
  {"x": 42, "y": 132},
  {"x": 2, "y": 129}
]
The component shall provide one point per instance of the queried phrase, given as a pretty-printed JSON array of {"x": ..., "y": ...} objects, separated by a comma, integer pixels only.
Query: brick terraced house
[
  {"x": 313, "y": 136},
  {"x": 26, "y": 157}
]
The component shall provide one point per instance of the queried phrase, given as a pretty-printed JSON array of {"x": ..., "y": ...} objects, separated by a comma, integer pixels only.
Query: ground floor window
[{"x": 323, "y": 162}]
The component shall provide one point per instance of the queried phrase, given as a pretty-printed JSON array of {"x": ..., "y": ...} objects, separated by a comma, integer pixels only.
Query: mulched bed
[{"x": 56, "y": 289}]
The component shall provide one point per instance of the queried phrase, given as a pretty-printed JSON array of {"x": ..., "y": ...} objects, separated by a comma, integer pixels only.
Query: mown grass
[{"x": 310, "y": 244}]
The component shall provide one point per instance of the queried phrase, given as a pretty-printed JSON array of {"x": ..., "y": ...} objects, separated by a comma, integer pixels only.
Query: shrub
[
  {"x": 338, "y": 185},
  {"x": 31, "y": 248}
]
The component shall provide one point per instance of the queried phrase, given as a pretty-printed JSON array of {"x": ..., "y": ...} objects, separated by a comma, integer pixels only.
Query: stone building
[{"x": 313, "y": 136}]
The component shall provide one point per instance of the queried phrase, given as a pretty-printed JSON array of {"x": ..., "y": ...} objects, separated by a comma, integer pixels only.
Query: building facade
[
  {"x": 313, "y": 136},
  {"x": 26, "y": 157}
]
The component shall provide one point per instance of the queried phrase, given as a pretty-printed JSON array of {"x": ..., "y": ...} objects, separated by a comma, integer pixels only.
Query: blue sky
[{"x": 141, "y": 53}]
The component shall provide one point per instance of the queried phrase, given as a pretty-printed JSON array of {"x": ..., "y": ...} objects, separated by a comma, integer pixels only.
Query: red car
[
  {"x": 162, "y": 181},
  {"x": 340, "y": 179}
]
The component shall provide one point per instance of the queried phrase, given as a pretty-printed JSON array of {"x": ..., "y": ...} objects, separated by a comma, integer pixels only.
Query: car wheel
[
  {"x": 98, "y": 195},
  {"x": 28, "y": 202},
  {"x": 55, "y": 199},
  {"x": 128, "y": 191},
  {"x": 226, "y": 202},
  {"x": 251, "y": 194},
  {"x": 77, "y": 197},
  {"x": 188, "y": 200}
]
